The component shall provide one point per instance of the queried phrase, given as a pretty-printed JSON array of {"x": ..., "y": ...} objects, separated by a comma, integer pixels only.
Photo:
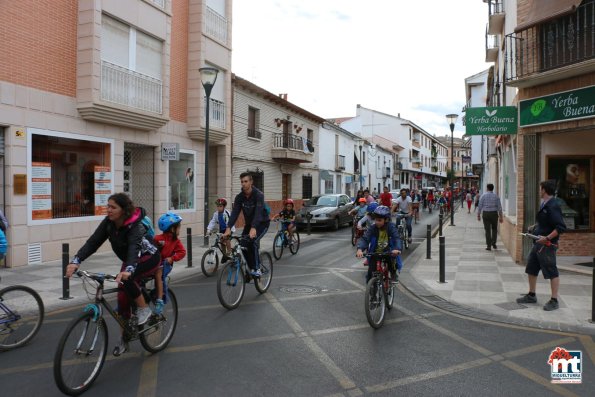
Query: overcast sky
[{"x": 395, "y": 56}]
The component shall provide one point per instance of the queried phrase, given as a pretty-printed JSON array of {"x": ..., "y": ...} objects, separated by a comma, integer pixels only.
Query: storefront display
[
  {"x": 181, "y": 182},
  {"x": 572, "y": 177}
]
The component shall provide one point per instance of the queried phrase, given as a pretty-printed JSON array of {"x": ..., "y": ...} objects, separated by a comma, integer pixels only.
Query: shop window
[
  {"x": 572, "y": 177},
  {"x": 69, "y": 177},
  {"x": 181, "y": 182}
]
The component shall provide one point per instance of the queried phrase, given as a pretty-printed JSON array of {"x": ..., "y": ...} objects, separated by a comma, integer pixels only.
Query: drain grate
[
  {"x": 299, "y": 289},
  {"x": 510, "y": 306},
  {"x": 434, "y": 298}
]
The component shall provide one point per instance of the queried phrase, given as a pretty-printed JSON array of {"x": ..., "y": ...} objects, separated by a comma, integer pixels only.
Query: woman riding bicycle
[{"x": 124, "y": 228}]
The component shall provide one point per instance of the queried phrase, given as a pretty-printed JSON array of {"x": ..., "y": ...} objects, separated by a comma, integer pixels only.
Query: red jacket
[
  {"x": 386, "y": 199},
  {"x": 169, "y": 247}
]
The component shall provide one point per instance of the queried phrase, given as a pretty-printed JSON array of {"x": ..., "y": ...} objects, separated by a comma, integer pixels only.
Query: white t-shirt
[{"x": 403, "y": 204}]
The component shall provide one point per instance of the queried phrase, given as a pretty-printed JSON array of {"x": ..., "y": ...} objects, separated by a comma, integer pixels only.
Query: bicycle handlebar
[{"x": 95, "y": 276}]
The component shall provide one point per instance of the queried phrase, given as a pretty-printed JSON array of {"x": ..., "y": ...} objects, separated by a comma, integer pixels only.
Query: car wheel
[{"x": 335, "y": 225}]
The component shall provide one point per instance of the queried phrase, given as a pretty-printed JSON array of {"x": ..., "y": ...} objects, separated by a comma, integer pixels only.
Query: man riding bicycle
[
  {"x": 251, "y": 202},
  {"x": 404, "y": 208}
]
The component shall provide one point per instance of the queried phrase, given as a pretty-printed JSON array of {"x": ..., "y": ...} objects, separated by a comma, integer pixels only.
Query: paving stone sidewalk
[{"x": 486, "y": 284}]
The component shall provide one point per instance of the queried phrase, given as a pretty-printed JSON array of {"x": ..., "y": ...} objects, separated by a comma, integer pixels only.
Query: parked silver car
[{"x": 330, "y": 210}]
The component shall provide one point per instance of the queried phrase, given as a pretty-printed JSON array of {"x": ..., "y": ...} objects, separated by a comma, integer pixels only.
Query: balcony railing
[
  {"x": 290, "y": 141},
  {"x": 551, "y": 45},
  {"x": 398, "y": 166},
  {"x": 252, "y": 133},
  {"x": 217, "y": 111},
  {"x": 386, "y": 172},
  {"x": 416, "y": 143},
  {"x": 495, "y": 7},
  {"x": 340, "y": 162},
  {"x": 216, "y": 25},
  {"x": 127, "y": 87},
  {"x": 159, "y": 3},
  {"x": 491, "y": 47}
]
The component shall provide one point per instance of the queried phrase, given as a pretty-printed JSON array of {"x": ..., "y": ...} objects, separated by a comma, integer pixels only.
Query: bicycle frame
[
  {"x": 10, "y": 317},
  {"x": 237, "y": 253}
]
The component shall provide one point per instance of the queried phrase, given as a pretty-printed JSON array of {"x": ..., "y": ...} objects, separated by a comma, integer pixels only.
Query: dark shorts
[{"x": 542, "y": 258}]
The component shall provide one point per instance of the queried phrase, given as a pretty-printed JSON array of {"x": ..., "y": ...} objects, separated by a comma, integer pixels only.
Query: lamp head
[
  {"x": 452, "y": 120},
  {"x": 208, "y": 76}
]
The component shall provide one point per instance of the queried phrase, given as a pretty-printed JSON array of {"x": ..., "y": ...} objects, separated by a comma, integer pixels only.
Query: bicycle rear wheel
[
  {"x": 231, "y": 285},
  {"x": 375, "y": 308},
  {"x": 159, "y": 330},
  {"x": 209, "y": 262},
  {"x": 263, "y": 282},
  {"x": 278, "y": 246},
  {"x": 21, "y": 316},
  {"x": 294, "y": 244},
  {"x": 389, "y": 295},
  {"x": 80, "y": 354}
]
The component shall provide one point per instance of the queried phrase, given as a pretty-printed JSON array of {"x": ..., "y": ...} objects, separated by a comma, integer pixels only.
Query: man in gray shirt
[{"x": 489, "y": 204}]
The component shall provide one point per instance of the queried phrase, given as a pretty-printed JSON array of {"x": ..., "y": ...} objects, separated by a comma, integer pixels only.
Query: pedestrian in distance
[
  {"x": 548, "y": 228},
  {"x": 386, "y": 198},
  {"x": 490, "y": 208},
  {"x": 469, "y": 199}
]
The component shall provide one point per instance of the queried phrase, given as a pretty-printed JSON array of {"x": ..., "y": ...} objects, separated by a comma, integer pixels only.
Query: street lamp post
[
  {"x": 452, "y": 119},
  {"x": 208, "y": 76},
  {"x": 361, "y": 164}
]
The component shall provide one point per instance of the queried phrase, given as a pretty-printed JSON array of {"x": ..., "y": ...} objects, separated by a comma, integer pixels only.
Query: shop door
[{"x": 139, "y": 176}]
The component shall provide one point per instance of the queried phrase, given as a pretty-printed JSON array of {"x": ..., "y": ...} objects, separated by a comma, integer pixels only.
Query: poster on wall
[
  {"x": 41, "y": 190},
  {"x": 103, "y": 184}
]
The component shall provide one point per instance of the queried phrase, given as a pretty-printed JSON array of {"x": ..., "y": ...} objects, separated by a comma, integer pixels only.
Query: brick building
[{"x": 89, "y": 92}]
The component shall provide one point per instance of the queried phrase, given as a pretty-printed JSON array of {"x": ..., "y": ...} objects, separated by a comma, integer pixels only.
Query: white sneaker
[{"x": 142, "y": 315}]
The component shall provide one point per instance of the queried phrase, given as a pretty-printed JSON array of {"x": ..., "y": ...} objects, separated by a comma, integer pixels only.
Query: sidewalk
[
  {"x": 46, "y": 278},
  {"x": 485, "y": 284}
]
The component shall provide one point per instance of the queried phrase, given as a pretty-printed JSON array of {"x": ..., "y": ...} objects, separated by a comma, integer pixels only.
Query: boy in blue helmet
[{"x": 381, "y": 237}]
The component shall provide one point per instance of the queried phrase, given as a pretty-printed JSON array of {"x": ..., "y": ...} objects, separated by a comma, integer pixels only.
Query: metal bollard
[
  {"x": 593, "y": 295},
  {"x": 309, "y": 226},
  {"x": 442, "y": 259},
  {"x": 429, "y": 242},
  {"x": 440, "y": 224},
  {"x": 65, "y": 280},
  {"x": 189, "y": 246}
]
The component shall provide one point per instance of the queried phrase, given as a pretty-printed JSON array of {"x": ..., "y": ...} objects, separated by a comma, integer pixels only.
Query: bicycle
[
  {"x": 283, "y": 240},
  {"x": 21, "y": 316},
  {"x": 380, "y": 290},
  {"x": 402, "y": 228},
  {"x": 356, "y": 233},
  {"x": 234, "y": 276},
  {"x": 82, "y": 349},
  {"x": 210, "y": 259}
]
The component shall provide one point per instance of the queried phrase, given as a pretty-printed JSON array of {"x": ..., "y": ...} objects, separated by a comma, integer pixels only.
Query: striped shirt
[{"x": 489, "y": 202}]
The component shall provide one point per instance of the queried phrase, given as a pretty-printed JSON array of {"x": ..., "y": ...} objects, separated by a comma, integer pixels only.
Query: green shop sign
[
  {"x": 567, "y": 105},
  {"x": 491, "y": 120}
]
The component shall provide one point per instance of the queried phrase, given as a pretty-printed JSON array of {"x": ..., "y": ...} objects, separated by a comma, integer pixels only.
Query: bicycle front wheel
[
  {"x": 80, "y": 354},
  {"x": 231, "y": 285},
  {"x": 21, "y": 316},
  {"x": 159, "y": 330},
  {"x": 294, "y": 243},
  {"x": 209, "y": 262},
  {"x": 263, "y": 282},
  {"x": 389, "y": 295},
  {"x": 278, "y": 246},
  {"x": 375, "y": 308}
]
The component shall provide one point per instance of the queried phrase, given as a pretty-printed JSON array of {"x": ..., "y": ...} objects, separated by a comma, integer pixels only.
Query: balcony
[
  {"x": 398, "y": 166},
  {"x": 387, "y": 173},
  {"x": 491, "y": 47},
  {"x": 289, "y": 148},
  {"x": 126, "y": 98},
  {"x": 496, "y": 16},
  {"x": 552, "y": 50},
  {"x": 340, "y": 163},
  {"x": 253, "y": 133},
  {"x": 416, "y": 143},
  {"x": 215, "y": 26}
]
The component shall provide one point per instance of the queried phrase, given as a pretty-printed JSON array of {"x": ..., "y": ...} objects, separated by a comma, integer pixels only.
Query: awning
[
  {"x": 325, "y": 175},
  {"x": 545, "y": 10}
]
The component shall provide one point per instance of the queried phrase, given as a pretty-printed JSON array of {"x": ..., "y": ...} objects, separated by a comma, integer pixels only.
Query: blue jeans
[
  {"x": 253, "y": 254},
  {"x": 408, "y": 219}
]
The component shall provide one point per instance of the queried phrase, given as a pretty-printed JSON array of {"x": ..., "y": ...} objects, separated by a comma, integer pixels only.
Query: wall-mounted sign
[
  {"x": 567, "y": 105},
  {"x": 41, "y": 190},
  {"x": 103, "y": 188},
  {"x": 170, "y": 151},
  {"x": 19, "y": 134},
  {"x": 497, "y": 120},
  {"x": 20, "y": 183}
]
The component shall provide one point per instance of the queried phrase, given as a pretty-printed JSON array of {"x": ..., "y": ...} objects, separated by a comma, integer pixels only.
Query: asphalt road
[{"x": 308, "y": 336}]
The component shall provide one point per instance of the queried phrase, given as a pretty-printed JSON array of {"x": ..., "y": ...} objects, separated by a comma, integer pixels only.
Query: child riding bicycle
[
  {"x": 360, "y": 210},
  {"x": 287, "y": 216},
  {"x": 218, "y": 224},
  {"x": 381, "y": 237}
]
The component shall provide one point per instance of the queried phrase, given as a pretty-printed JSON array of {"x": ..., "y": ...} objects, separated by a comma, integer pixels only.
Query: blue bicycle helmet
[
  {"x": 372, "y": 207},
  {"x": 167, "y": 220},
  {"x": 382, "y": 211}
]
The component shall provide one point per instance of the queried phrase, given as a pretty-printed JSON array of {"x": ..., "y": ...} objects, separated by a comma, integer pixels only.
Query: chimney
[{"x": 283, "y": 96}]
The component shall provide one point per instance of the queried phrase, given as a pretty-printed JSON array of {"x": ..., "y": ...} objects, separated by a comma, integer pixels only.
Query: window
[
  {"x": 130, "y": 66},
  {"x": 572, "y": 176},
  {"x": 328, "y": 186},
  {"x": 306, "y": 186},
  {"x": 253, "y": 123},
  {"x": 181, "y": 182},
  {"x": 70, "y": 175},
  {"x": 364, "y": 158}
]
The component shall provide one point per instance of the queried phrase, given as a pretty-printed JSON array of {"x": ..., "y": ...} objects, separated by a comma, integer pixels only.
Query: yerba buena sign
[
  {"x": 494, "y": 120},
  {"x": 563, "y": 106}
]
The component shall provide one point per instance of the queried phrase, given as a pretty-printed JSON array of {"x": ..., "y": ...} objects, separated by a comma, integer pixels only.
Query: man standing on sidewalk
[
  {"x": 550, "y": 225},
  {"x": 490, "y": 205}
]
